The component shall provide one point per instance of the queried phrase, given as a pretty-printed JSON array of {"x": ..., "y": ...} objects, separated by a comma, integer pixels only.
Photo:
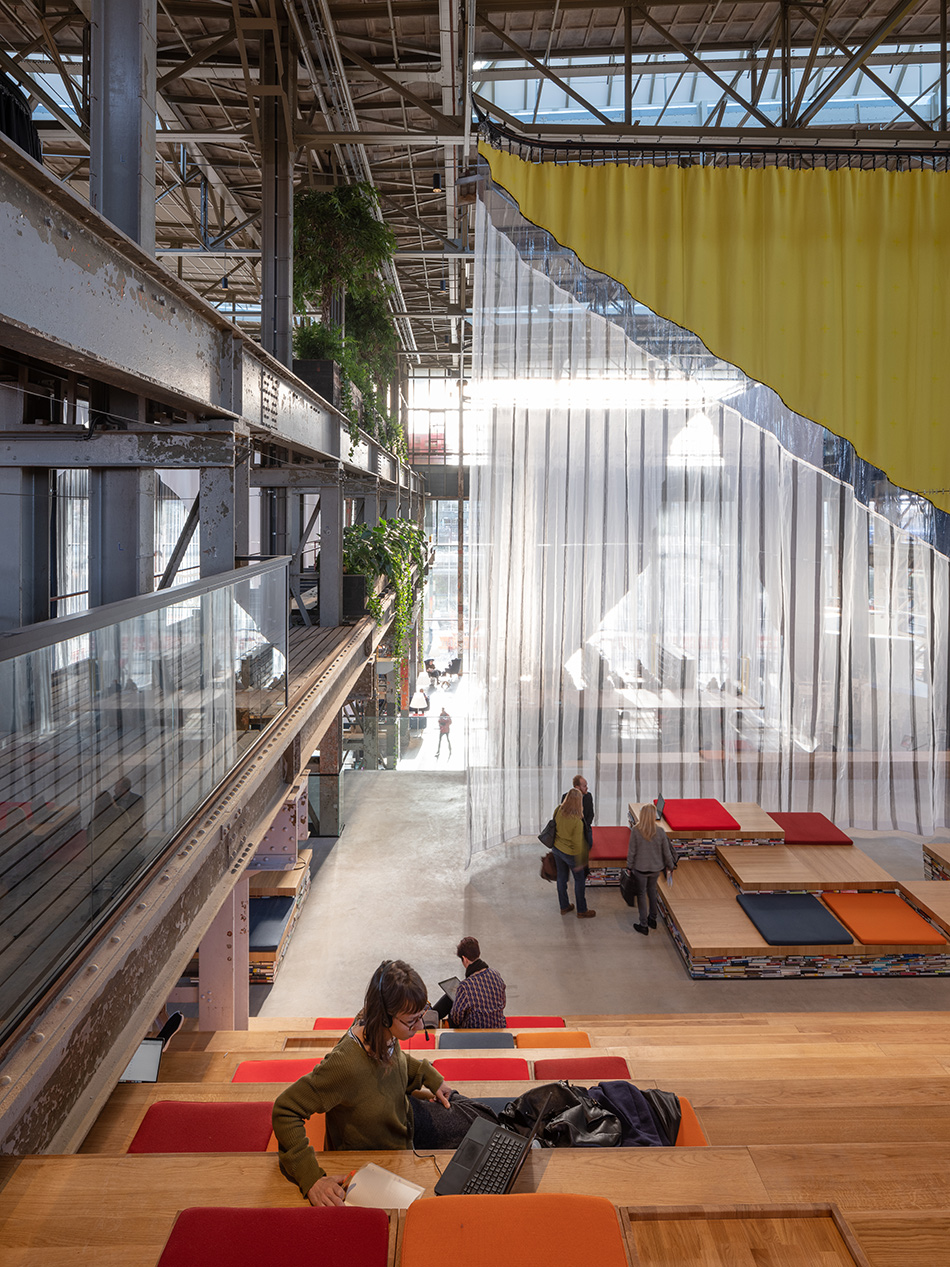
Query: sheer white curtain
[{"x": 667, "y": 598}]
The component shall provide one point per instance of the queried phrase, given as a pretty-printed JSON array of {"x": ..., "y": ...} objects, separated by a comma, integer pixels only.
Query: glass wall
[
  {"x": 111, "y": 735},
  {"x": 441, "y": 622}
]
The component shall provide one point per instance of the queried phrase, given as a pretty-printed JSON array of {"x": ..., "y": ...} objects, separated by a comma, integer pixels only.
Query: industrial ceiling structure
[{"x": 392, "y": 91}]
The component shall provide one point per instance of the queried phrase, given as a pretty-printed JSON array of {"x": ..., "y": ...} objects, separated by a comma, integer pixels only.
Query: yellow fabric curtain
[{"x": 832, "y": 287}]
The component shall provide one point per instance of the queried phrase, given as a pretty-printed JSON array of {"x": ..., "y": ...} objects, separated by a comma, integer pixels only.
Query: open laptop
[
  {"x": 145, "y": 1063},
  {"x": 489, "y": 1158},
  {"x": 449, "y": 987},
  {"x": 660, "y": 802}
]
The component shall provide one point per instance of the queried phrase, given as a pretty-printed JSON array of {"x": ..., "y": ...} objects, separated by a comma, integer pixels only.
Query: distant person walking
[
  {"x": 648, "y": 855},
  {"x": 445, "y": 725}
]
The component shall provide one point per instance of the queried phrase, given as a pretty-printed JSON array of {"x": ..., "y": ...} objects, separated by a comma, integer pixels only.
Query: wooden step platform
[
  {"x": 717, "y": 939},
  {"x": 789, "y": 868}
]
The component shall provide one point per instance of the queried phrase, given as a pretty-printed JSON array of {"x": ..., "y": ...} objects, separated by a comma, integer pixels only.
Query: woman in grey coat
[{"x": 648, "y": 854}]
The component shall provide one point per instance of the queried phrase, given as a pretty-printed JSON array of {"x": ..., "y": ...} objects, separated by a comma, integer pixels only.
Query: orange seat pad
[
  {"x": 690, "y": 1133},
  {"x": 518, "y": 1230},
  {"x": 556, "y": 1038},
  {"x": 882, "y": 919},
  {"x": 316, "y": 1128}
]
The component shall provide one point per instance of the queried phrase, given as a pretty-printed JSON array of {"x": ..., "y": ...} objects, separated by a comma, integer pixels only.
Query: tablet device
[
  {"x": 450, "y": 986},
  {"x": 144, "y": 1065}
]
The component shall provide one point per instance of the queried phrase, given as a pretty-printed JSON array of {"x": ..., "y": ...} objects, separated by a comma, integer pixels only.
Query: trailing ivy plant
[
  {"x": 339, "y": 244},
  {"x": 389, "y": 549},
  {"x": 368, "y": 373}
]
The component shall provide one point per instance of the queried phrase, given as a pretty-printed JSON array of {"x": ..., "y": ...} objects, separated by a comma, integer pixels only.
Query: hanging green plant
[
  {"x": 390, "y": 548},
  {"x": 339, "y": 244}
]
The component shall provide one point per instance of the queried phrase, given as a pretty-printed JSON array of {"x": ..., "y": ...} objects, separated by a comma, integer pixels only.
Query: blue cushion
[
  {"x": 475, "y": 1038},
  {"x": 267, "y": 920},
  {"x": 793, "y": 919}
]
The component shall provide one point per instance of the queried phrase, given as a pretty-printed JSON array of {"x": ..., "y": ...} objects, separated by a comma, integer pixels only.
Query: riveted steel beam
[{"x": 60, "y": 447}]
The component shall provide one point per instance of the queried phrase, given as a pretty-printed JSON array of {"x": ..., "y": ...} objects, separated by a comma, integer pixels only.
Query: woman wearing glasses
[{"x": 363, "y": 1085}]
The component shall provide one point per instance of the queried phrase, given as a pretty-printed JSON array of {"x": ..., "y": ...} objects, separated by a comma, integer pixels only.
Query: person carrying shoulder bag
[
  {"x": 571, "y": 853},
  {"x": 649, "y": 853}
]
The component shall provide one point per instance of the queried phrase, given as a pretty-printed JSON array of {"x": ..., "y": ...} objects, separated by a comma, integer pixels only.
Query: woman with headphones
[{"x": 363, "y": 1085}]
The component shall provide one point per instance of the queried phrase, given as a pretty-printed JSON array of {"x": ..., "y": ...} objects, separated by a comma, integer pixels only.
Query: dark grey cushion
[
  {"x": 793, "y": 919},
  {"x": 475, "y": 1038}
]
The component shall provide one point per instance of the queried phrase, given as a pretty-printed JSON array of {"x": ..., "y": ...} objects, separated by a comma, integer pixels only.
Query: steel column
[
  {"x": 121, "y": 534},
  {"x": 122, "y": 133},
  {"x": 331, "y": 555},
  {"x": 223, "y": 965},
  {"x": 331, "y": 757},
  {"x": 24, "y": 560},
  {"x": 216, "y": 523},
  {"x": 242, "y": 491},
  {"x": 277, "y": 211}
]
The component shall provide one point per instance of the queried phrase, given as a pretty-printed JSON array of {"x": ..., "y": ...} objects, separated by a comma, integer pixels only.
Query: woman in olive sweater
[
  {"x": 570, "y": 853},
  {"x": 363, "y": 1085}
]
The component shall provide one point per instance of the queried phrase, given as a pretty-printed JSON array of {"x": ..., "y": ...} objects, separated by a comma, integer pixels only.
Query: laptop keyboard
[{"x": 494, "y": 1170}]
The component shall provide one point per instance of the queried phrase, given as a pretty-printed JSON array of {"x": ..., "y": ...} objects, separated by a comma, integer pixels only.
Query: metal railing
[{"x": 115, "y": 725}]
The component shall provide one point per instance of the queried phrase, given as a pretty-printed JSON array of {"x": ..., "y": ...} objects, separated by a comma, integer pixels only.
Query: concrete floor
[{"x": 395, "y": 886}]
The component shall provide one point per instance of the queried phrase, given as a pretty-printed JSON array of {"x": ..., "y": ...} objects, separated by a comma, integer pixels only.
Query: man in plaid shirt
[{"x": 480, "y": 998}]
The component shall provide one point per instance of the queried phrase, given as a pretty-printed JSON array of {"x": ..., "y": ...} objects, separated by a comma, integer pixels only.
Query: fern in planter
[
  {"x": 388, "y": 549},
  {"x": 314, "y": 341}
]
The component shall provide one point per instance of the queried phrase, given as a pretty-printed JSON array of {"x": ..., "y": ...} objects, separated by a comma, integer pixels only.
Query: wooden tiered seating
[{"x": 824, "y": 1110}]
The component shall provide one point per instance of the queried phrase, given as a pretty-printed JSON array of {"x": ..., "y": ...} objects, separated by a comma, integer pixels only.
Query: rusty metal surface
[
  {"x": 79, "y": 294},
  {"x": 73, "y": 297}
]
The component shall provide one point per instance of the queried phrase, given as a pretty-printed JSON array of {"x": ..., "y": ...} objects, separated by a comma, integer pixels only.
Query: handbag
[
  {"x": 548, "y": 866},
  {"x": 572, "y": 1119},
  {"x": 628, "y": 888},
  {"x": 547, "y": 834}
]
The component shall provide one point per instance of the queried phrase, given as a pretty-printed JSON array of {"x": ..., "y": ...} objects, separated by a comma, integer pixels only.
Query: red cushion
[
  {"x": 213, "y": 1236},
  {"x": 610, "y": 842},
  {"x": 196, "y": 1126},
  {"x": 419, "y": 1042},
  {"x": 586, "y": 1068},
  {"x": 535, "y": 1022},
  {"x": 698, "y": 813},
  {"x": 810, "y": 829},
  {"x": 882, "y": 919},
  {"x": 483, "y": 1068},
  {"x": 285, "y": 1071},
  {"x": 333, "y": 1022}
]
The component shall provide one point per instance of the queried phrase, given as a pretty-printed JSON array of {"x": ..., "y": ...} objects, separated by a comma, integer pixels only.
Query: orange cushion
[
  {"x": 316, "y": 1128},
  {"x": 559, "y": 1038},
  {"x": 581, "y": 1068},
  {"x": 483, "y": 1068},
  {"x": 882, "y": 919},
  {"x": 518, "y": 1230},
  {"x": 690, "y": 1133},
  {"x": 535, "y": 1022},
  {"x": 285, "y": 1071}
]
